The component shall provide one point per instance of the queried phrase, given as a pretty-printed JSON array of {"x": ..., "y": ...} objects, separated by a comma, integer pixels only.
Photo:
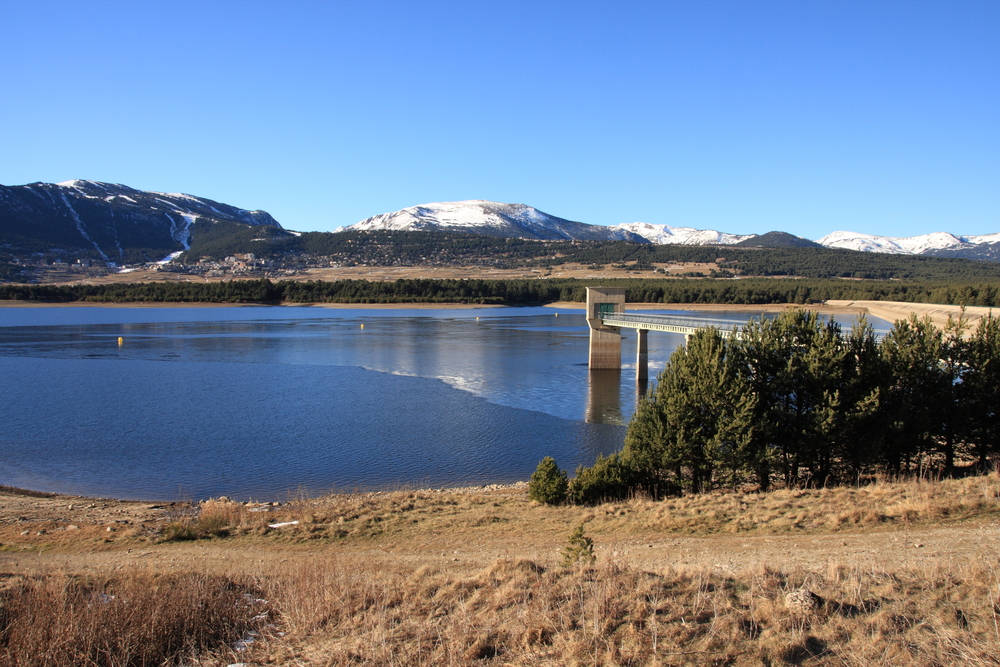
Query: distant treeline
[{"x": 517, "y": 292}]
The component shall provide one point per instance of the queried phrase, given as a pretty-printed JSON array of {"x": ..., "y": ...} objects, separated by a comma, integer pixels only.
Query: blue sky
[{"x": 801, "y": 116}]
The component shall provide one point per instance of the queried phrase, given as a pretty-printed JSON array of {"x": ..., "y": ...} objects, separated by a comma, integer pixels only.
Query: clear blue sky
[{"x": 802, "y": 116}]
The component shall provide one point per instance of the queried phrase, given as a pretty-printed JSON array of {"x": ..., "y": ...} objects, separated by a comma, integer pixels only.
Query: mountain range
[
  {"x": 494, "y": 219},
  {"x": 121, "y": 225},
  {"x": 117, "y": 223}
]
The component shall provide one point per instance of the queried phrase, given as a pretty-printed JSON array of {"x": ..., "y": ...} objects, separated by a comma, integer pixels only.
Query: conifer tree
[
  {"x": 548, "y": 483},
  {"x": 981, "y": 389},
  {"x": 694, "y": 430},
  {"x": 912, "y": 353}
]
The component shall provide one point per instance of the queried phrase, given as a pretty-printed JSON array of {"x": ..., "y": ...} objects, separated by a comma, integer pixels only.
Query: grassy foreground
[{"x": 901, "y": 573}]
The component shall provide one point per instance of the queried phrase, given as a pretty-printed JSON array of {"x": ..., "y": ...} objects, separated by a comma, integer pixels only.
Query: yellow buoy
[
  {"x": 557, "y": 314},
  {"x": 120, "y": 341},
  {"x": 362, "y": 326}
]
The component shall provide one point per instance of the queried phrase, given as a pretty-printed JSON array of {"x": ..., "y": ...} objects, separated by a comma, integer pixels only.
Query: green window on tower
[{"x": 605, "y": 309}]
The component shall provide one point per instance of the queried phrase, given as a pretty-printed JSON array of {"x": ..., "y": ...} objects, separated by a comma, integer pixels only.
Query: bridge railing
[
  {"x": 626, "y": 319},
  {"x": 635, "y": 320}
]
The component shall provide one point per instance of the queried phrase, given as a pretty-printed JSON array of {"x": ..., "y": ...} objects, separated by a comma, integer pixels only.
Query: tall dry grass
[
  {"x": 139, "y": 619},
  {"x": 517, "y": 613},
  {"x": 513, "y": 612}
]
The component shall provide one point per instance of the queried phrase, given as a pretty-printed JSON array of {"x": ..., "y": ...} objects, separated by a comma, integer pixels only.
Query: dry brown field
[
  {"x": 889, "y": 573},
  {"x": 379, "y": 273}
]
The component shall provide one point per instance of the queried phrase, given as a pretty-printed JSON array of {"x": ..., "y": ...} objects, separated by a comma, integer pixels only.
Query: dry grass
[
  {"x": 908, "y": 502},
  {"x": 386, "y": 515},
  {"x": 133, "y": 620},
  {"x": 517, "y": 613},
  {"x": 363, "y": 579},
  {"x": 514, "y": 612}
]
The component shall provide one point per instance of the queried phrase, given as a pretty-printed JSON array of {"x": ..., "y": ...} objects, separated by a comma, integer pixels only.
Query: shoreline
[
  {"x": 284, "y": 304},
  {"x": 890, "y": 311},
  {"x": 58, "y": 497}
]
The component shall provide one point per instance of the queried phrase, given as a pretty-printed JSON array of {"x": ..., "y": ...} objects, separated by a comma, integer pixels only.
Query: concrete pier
[
  {"x": 605, "y": 341},
  {"x": 641, "y": 356}
]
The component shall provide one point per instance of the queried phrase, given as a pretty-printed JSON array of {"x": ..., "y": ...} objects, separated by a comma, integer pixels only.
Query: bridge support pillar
[
  {"x": 605, "y": 342},
  {"x": 641, "y": 356}
]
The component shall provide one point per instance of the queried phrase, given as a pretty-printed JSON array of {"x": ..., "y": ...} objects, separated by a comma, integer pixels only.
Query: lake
[{"x": 268, "y": 402}]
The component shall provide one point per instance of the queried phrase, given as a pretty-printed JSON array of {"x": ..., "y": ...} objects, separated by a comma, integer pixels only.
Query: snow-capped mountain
[
  {"x": 492, "y": 219},
  {"x": 937, "y": 243},
  {"x": 118, "y": 223},
  {"x": 519, "y": 220},
  {"x": 665, "y": 234}
]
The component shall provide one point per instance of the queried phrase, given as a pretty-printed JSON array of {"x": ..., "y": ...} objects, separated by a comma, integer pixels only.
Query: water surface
[{"x": 265, "y": 401}]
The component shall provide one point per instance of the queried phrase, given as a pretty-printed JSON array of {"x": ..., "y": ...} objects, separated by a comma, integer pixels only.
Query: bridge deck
[{"x": 681, "y": 324}]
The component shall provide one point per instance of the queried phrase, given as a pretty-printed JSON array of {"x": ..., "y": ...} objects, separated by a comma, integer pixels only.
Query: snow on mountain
[
  {"x": 118, "y": 223},
  {"x": 667, "y": 235},
  {"x": 983, "y": 238},
  {"x": 905, "y": 245},
  {"x": 492, "y": 219}
]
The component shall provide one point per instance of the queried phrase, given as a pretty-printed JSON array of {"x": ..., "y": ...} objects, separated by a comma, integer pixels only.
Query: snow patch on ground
[
  {"x": 181, "y": 232},
  {"x": 169, "y": 258},
  {"x": 181, "y": 195},
  {"x": 80, "y": 228}
]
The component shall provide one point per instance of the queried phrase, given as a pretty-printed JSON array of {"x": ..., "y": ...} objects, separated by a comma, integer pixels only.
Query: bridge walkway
[{"x": 681, "y": 324}]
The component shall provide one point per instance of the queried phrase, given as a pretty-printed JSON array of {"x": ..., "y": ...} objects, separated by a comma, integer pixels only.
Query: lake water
[{"x": 264, "y": 402}]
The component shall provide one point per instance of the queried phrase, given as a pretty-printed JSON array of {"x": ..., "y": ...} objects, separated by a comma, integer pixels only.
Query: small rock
[
  {"x": 26, "y": 532},
  {"x": 109, "y": 529},
  {"x": 70, "y": 507},
  {"x": 41, "y": 532},
  {"x": 803, "y": 602},
  {"x": 72, "y": 527}
]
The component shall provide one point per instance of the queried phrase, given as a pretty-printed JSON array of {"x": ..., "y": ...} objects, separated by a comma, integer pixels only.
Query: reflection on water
[
  {"x": 604, "y": 400},
  {"x": 641, "y": 386}
]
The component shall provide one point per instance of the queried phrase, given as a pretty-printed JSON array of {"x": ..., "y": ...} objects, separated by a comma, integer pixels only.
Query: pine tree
[
  {"x": 981, "y": 389},
  {"x": 548, "y": 483},
  {"x": 912, "y": 353},
  {"x": 579, "y": 549},
  {"x": 694, "y": 430}
]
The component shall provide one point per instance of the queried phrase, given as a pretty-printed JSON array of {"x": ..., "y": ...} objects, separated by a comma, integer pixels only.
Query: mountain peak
[{"x": 478, "y": 216}]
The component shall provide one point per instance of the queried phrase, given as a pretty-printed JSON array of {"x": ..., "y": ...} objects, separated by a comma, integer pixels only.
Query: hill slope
[{"x": 110, "y": 222}]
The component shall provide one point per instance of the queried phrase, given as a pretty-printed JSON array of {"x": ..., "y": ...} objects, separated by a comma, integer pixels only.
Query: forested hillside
[{"x": 395, "y": 248}]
